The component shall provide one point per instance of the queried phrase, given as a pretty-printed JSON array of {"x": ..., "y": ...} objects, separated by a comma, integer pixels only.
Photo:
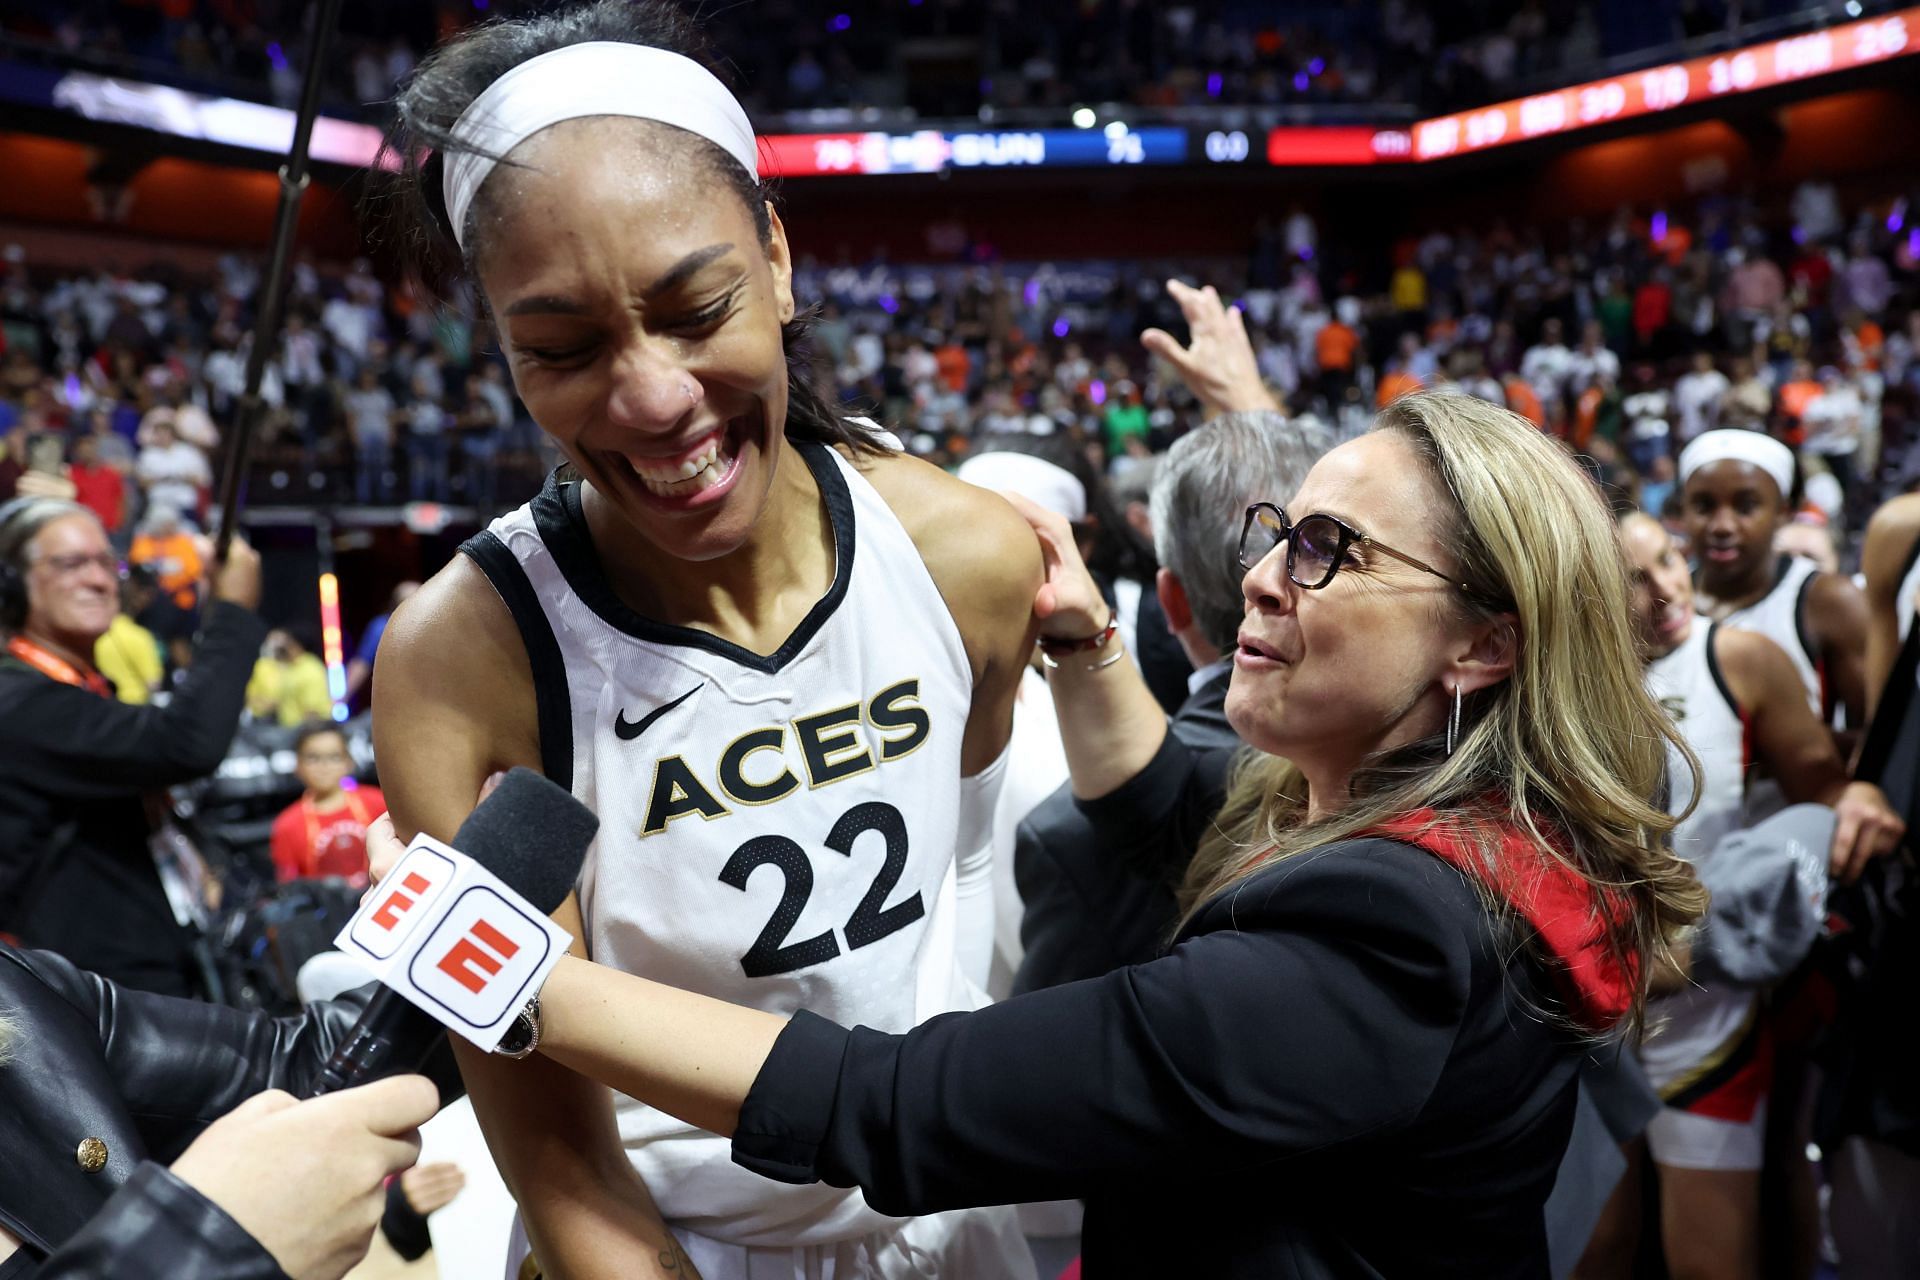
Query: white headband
[
  {"x": 1053, "y": 487},
  {"x": 598, "y": 78},
  {"x": 1737, "y": 444}
]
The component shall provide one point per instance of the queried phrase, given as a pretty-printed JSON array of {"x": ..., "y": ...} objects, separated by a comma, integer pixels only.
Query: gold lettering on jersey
[
  {"x": 677, "y": 793},
  {"x": 733, "y": 768},
  {"x": 831, "y": 757},
  {"x": 769, "y": 763},
  {"x": 898, "y": 708}
]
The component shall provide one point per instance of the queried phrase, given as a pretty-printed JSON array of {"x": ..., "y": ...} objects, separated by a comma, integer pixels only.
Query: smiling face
[
  {"x": 73, "y": 583},
  {"x": 1659, "y": 589},
  {"x": 1327, "y": 677},
  {"x": 641, "y": 317},
  {"x": 1732, "y": 510}
]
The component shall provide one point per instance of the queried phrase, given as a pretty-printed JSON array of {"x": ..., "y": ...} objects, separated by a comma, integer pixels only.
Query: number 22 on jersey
[{"x": 871, "y": 920}]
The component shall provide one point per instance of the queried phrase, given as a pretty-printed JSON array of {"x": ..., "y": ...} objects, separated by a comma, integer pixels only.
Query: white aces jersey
[
  {"x": 1906, "y": 599},
  {"x": 775, "y": 830},
  {"x": 1689, "y": 686},
  {"x": 1780, "y": 616},
  {"x": 1698, "y": 1024}
]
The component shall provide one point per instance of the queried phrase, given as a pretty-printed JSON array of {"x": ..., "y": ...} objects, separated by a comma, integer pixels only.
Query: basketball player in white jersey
[
  {"x": 1735, "y": 697},
  {"x": 1735, "y": 491},
  {"x": 1735, "y": 486},
  {"x": 777, "y": 657},
  {"x": 1891, "y": 561}
]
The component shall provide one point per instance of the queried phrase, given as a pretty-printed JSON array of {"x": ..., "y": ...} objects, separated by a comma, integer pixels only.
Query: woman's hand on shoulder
[
  {"x": 982, "y": 555},
  {"x": 1068, "y": 605},
  {"x": 985, "y": 562}
]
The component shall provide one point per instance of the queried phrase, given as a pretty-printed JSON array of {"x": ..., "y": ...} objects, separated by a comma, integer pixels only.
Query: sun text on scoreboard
[{"x": 934, "y": 150}]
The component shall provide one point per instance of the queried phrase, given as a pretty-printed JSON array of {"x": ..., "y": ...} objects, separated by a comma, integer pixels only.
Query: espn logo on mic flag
[{"x": 459, "y": 944}]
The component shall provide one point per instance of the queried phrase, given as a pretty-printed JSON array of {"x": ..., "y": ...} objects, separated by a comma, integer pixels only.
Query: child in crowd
[{"x": 324, "y": 833}]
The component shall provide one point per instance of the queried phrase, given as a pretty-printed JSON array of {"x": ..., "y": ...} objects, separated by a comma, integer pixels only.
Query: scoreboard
[
  {"x": 806, "y": 155},
  {"x": 1663, "y": 88},
  {"x": 1648, "y": 93},
  {"x": 1580, "y": 106}
]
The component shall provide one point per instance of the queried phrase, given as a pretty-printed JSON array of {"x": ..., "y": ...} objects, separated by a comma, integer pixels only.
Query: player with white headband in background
[
  {"x": 1736, "y": 699},
  {"x": 1736, "y": 489},
  {"x": 777, "y": 657}
]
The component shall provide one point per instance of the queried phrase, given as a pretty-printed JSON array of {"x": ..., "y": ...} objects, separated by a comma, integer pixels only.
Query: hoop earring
[{"x": 1453, "y": 722}]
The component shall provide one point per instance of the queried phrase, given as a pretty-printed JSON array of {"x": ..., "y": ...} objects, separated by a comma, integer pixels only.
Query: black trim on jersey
[
  {"x": 1719, "y": 676},
  {"x": 1807, "y": 645},
  {"x": 563, "y": 527},
  {"x": 552, "y": 702},
  {"x": 1828, "y": 700}
]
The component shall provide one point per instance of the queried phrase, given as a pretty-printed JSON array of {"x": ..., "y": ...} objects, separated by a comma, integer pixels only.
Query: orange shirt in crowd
[
  {"x": 1677, "y": 245},
  {"x": 1394, "y": 385},
  {"x": 952, "y": 362},
  {"x": 1873, "y": 341},
  {"x": 1794, "y": 399},
  {"x": 1522, "y": 400},
  {"x": 1334, "y": 346},
  {"x": 175, "y": 560},
  {"x": 308, "y": 843},
  {"x": 1586, "y": 416}
]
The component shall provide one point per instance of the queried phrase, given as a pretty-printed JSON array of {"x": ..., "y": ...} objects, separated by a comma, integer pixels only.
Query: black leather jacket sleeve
[
  {"x": 179, "y": 1065},
  {"x": 156, "y": 1227}
]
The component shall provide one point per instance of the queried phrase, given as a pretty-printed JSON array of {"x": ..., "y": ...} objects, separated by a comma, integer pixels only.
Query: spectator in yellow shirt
[
  {"x": 289, "y": 684},
  {"x": 129, "y": 656}
]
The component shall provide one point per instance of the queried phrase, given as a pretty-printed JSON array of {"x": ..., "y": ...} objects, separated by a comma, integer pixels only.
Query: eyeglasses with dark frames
[{"x": 1316, "y": 547}]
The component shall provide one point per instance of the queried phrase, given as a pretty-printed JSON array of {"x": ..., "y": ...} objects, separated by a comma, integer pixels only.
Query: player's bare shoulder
[
  {"x": 982, "y": 555},
  {"x": 453, "y": 640},
  {"x": 1891, "y": 535}
]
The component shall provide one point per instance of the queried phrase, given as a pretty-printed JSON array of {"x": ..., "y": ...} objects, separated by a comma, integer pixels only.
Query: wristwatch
[{"x": 523, "y": 1037}]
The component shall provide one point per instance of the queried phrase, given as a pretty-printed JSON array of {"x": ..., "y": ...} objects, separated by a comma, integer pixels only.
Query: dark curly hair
[{"x": 409, "y": 209}]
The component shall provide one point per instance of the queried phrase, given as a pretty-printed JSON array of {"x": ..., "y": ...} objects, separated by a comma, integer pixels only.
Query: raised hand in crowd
[{"x": 1217, "y": 361}]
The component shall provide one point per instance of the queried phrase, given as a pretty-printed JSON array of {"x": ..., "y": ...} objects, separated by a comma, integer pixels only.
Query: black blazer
[
  {"x": 1086, "y": 913},
  {"x": 76, "y": 873},
  {"x": 1333, "y": 1073},
  {"x": 143, "y": 1075}
]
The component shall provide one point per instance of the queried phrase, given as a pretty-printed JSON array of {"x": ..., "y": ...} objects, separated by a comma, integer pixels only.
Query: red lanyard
[{"x": 54, "y": 667}]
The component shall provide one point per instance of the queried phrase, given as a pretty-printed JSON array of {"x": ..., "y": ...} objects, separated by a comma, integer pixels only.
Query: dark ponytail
[{"x": 407, "y": 207}]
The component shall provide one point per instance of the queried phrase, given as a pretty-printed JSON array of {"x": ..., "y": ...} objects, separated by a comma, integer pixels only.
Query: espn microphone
[{"x": 530, "y": 834}]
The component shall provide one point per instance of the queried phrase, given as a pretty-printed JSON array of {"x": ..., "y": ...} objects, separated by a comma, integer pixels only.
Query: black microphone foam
[{"x": 533, "y": 836}]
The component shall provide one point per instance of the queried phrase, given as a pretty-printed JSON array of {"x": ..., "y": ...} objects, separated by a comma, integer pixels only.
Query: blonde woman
[{"x": 1358, "y": 1055}]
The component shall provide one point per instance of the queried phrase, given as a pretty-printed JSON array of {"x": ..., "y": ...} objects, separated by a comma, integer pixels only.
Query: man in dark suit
[{"x": 1086, "y": 914}]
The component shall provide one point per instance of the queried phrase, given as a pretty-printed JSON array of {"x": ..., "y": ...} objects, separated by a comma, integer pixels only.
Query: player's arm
[
  {"x": 1793, "y": 745},
  {"x": 1837, "y": 618},
  {"x": 454, "y": 696},
  {"x": 1891, "y": 535}
]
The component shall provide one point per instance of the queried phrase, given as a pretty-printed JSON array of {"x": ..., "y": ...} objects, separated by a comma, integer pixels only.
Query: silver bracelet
[{"x": 1046, "y": 660}]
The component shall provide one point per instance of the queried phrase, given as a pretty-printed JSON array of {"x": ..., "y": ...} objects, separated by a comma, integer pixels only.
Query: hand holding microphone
[
  {"x": 307, "y": 1179},
  {"x": 459, "y": 934}
]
